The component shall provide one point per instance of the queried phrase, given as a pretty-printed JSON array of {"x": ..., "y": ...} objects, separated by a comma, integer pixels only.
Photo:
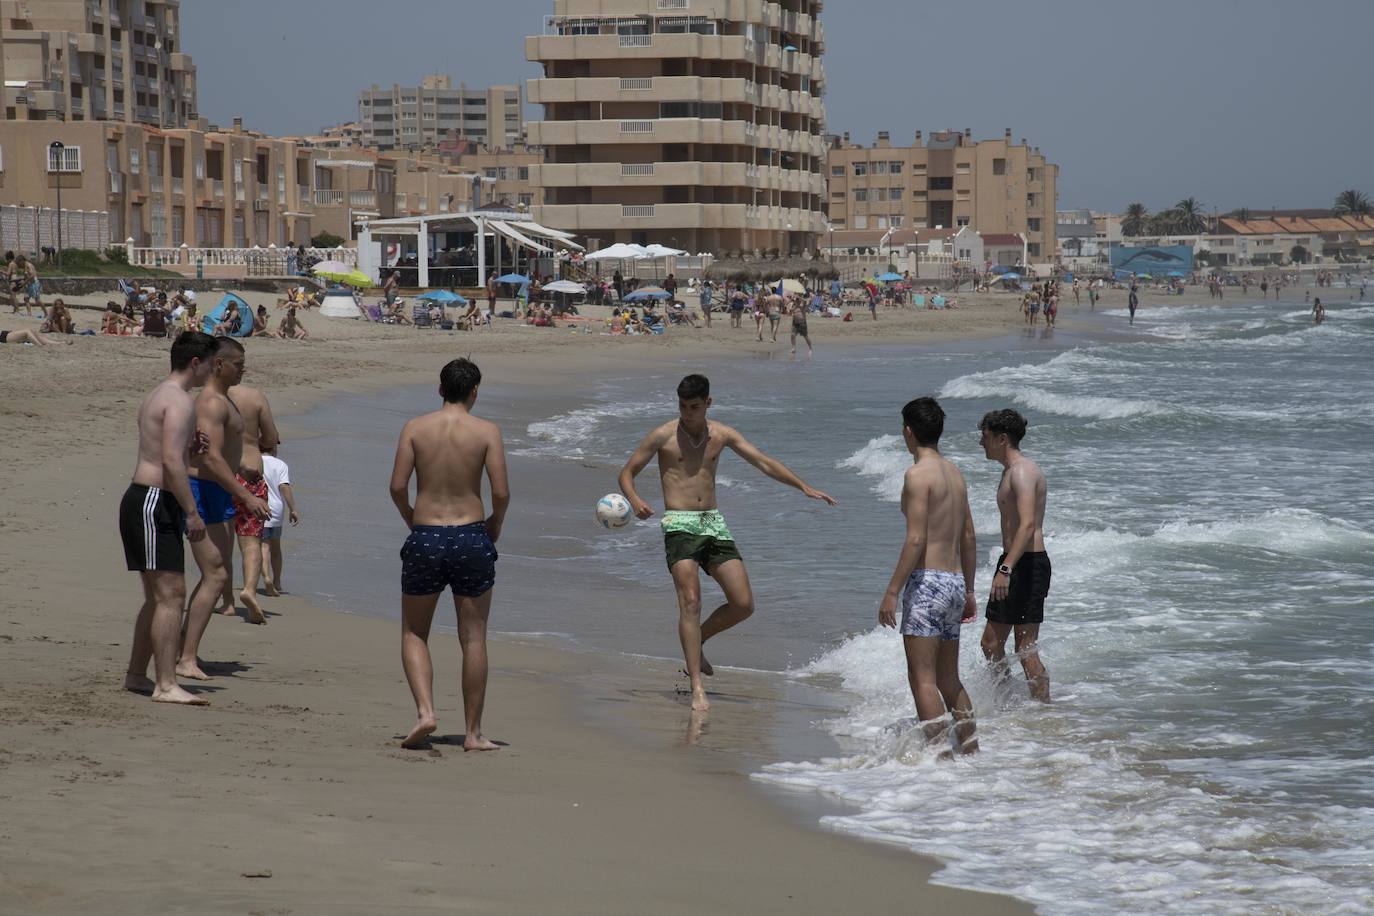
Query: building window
[
  {"x": 941, "y": 183},
  {"x": 66, "y": 159},
  {"x": 837, "y": 171},
  {"x": 999, "y": 166},
  {"x": 894, "y": 193},
  {"x": 489, "y": 173},
  {"x": 894, "y": 168},
  {"x": 897, "y": 219},
  {"x": 526, "y": 199},
  {"x": 523, "y": 173},
  {"x": 961, "y": 222},
  {"x": 882, "y": 222},
  {"x": 133, "y": 162},
  {"x": 962, "y": 168},
  {"x": 861, "y": 194},
  {"x": 880, "y": 168},
  {"x": 1033, "y": 224},
  {"x": 860, "y": 169},
  {"x": 1033, "y": 249}
]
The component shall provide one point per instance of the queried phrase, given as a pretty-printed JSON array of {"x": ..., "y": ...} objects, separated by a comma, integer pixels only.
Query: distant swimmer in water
[
  {"x": 695, "y": 536},
  {"x": 932, "y": 585},
  {"x": 1318, "y": 311},
  {"x": 452, "y": 542},
  {"x": 1017, "y": 598},
  {"x": 1133, "y": 301}
]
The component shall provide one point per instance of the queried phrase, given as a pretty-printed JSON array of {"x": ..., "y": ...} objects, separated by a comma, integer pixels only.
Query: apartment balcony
[
  {"x": 617, "y": 133},
  {"x": 116, "y": 182},
  {"x": 178, "y": 184},
  {"x": 240, "y": 194},
  {"x": 583, "y": 218},
  {"x": 622, "y": 47},
  {"x": 179, "y": 61},
  {"x": 641, "y": 174},
  {"x": 328, "y": 197},
  {"x": 217, "y": 189},
  {"x": 362, "y": 199},
  {"x": 640, "y": 89}
]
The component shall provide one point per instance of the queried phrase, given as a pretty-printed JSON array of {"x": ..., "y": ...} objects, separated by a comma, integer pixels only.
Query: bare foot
[
  {"x": 179, "y": 696},
  {"x": 699, "y": 701},
  {"x": 192, "y": 671},
  {"x": 270, "y": 591},
  {"x": 478, "y": 743},
  {"x": 250, "y": 601},
  {"x": 138, "y": 683},
  {"x": 424, "y": 727},
  {"x": 228, "y": 611}
]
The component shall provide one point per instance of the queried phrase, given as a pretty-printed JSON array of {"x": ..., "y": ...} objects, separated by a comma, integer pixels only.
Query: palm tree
[
  {"x": 1190, "y": 219},
  {"x": 1353, "y": 203},
  {"x": 1133, "y": 221},
  {"x": 1165, "y": 222}
]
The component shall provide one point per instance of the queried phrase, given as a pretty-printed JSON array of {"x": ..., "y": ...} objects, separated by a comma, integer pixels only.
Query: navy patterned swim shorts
[
  {"x": 933, "y": 604},
  {"x": 461, "y": 557}
]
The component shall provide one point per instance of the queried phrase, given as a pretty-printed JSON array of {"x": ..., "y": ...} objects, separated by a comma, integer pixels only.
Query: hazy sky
[{"x": 1258, "y": 103}]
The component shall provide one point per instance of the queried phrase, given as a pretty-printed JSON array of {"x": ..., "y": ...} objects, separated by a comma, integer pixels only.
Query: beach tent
[
  {"x": 889, "y": 277},
  {"x": 617, "y": 252},
  {"x": 661, "y": 251},
  {"x": 216, "y": 315}
]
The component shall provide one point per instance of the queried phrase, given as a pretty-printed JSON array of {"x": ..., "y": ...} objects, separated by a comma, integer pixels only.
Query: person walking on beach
[
  {"x": 1016, "y": 602},
  {"x": 216, "y": 490},
  {"x": 452, "y": 542},
  {"x": 27, "y": 282},
  {"x": 281, "y": 505},
  {"x": 259, "y": 433},
  {"x": 1133, "y": 300},
  {"x": 156, "y": 508},
  {"x": 933, "y": 582},
  {"x": 695, "y": 536},
  {"x": 1318, "y": 311},
  {"x": 799, "y": 327}
]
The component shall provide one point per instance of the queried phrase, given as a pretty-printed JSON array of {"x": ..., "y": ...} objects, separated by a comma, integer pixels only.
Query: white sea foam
[{"x": 574, "y": 434}]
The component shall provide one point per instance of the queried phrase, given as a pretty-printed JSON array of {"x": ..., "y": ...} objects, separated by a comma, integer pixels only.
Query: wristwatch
[{"x": 1005, "y": 570}]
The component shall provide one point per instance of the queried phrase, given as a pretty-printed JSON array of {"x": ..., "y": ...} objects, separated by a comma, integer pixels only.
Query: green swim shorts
[{"x": 699, "y": 536}]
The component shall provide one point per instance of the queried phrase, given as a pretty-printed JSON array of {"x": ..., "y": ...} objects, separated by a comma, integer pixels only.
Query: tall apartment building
[
  {"x": 697, "y": 124},
  {"x": 410, "y": 117},
  {"x": 95, "y": 60},
  {"x": 950, "y": 181}
]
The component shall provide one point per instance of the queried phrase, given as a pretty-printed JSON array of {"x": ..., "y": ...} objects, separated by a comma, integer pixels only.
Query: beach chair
[
  {"x": 938, "y": 302},
  {"x": 918, "y": 302},
  {"x": 419, "y": 313},
  {"x": 374, "y": 313}
]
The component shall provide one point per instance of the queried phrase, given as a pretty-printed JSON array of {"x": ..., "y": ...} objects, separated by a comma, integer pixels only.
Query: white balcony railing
[
  {"x": 327, "y": 197},
  {"x": 362, "y": 198},
  {"x": 636, "y": 82},
  {"x": 636, "y": 127},
  {"x": 636, "y": 41},
  {"x": 637, "y": 210},
  {"x": 217, "y": 187},
  {"x": 636, "y": 168}
]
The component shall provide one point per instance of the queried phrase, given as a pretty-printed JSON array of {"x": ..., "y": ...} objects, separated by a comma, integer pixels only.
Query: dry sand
[{"x": 113, "y": 804}]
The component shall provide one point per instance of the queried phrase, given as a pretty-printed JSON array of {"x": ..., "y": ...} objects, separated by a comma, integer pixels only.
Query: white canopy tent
[
  {"x": 618, "y": 252},
  {"x": 517, "y": 228}
]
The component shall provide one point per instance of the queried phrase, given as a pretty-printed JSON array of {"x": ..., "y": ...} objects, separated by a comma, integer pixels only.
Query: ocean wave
[{"x": 1005, "y": 384}]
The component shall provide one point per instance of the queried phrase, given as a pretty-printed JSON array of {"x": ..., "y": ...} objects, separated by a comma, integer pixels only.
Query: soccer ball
[{"x": 613, "y": 511}]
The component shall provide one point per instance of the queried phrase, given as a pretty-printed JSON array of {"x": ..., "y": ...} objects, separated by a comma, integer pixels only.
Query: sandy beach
[{"x": 290, "y": 793}]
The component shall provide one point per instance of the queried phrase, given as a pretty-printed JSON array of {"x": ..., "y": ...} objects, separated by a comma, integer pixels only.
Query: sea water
[{"x": 1208, "y": 634}]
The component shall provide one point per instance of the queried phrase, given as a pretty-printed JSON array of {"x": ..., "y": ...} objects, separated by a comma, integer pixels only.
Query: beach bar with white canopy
[{"x": 456, "y": 249}]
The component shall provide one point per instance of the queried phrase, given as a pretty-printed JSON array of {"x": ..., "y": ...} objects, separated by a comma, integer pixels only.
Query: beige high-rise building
[
  {"x": 95, "y": 60},
  {"x": 697, "y": 124},
  {"x": 947, "y": 181},
  {"x": 412, "y": 117}
]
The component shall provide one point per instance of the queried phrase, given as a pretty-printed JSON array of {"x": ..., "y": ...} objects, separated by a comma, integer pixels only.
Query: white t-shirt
[{"x": 276, "y": 473}]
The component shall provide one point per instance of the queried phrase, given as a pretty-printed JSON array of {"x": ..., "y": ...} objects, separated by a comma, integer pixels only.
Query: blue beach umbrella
[
  {"x": 1010, "y": 276},
  {"x": 443, "y": 295},
  {"x": 646, "y": 294},
  {"x": 889, "y": 277},
  {"x": 1177, "y": 273},
  {"x": 513, "y": 278}
]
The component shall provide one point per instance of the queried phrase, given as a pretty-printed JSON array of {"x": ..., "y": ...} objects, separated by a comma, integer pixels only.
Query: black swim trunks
[
  {"x": 150, "y": 525},
  {"x": 4, "y": 336},
  {"x": 461, "y": 557},
  {"x": 1030, "y": 585}
]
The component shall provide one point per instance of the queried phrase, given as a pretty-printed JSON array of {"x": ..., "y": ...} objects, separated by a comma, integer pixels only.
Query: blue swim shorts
[
  {"x": 461, "y": 557},
  {"x": 932, "y": 604},
  {"x": 214, "y": 503}
]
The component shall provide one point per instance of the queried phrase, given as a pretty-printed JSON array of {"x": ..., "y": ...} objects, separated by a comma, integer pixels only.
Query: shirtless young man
[
  {"x": 452, "y": 542},
  {"x": 799, "y": 326},
  {"x": 1017, "y": 599},
  {"x": 153, "y": 514},
  {"x": 215, "y": 488},
  {"x": 694, "y": 532},
  {"x": 259, "y": 434},
  {"x": 933, "y": 581}
]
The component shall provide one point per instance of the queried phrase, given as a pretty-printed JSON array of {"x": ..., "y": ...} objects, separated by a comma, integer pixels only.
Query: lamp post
[{"x": 55, "y": 149}]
